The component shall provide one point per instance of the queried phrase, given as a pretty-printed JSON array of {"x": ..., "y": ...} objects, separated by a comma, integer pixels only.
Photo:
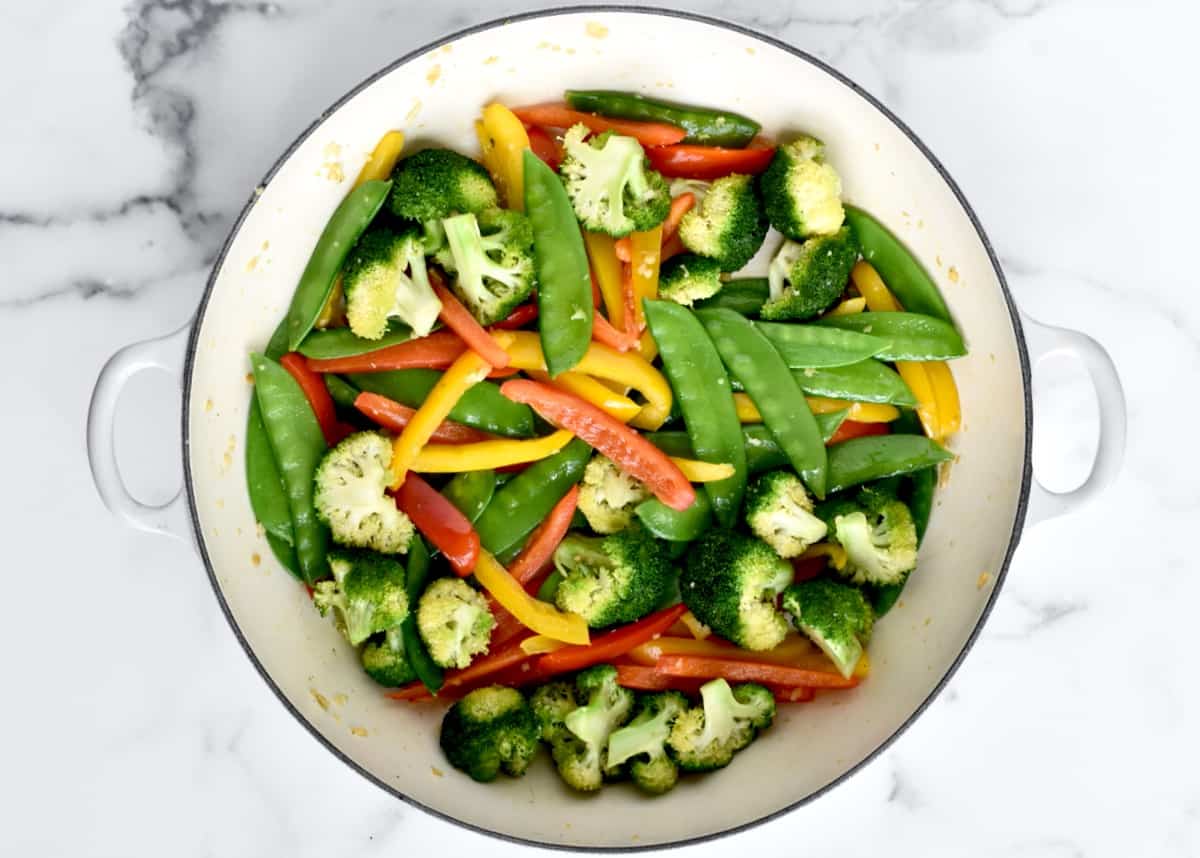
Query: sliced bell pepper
[
  {"x": 680, "y": 206},
  {"x": 503, "y": 139},
  {"x": 519, "y": 317},
  {"x": 686, "y": 161},
  {"x": 540, "y": 645},
  {"x": 856, "y": 429},
  {"x": 487, "y": 455},
  {"x": 615, "y": 338},
  {"x": 834, "y": 552},
  {"x": 849, "y": 307},
  {"x": 558, "y": 115},
  {"x": 458, "y": 318},
  {"x": 795, "y": 651},
  {"x": 945, "y": 393},
  {"x": 646, "y": 249},
  {"x": 392, "y": 415},
  {"x": 606, "y": 271},
  {"x": 545, "y": 146},
  {"x": 630, "y": 451},
  {"x": 587, "y": 388},
  {"x": 539, "y": 550},
  {"x": 860, "y": 412},
  {"x": 435, "y": 351},
  {"x": 704, "y": 472},
  {"x": 673, "y": 246},
  {"x": 807, "y": 568},
  {"x": 642, "y": 678},
  {"x": 482, "y": 667},
  {"x": 612, "y": 644},
  {"x": 440, "y": 522},
  {"x": 537, "y": 616},
  {"x": 747, "y": 411},
  {"x": 318, "y": 397},
  {"x": 696, "y": 628},
  {"x": 734, "y": 670}
]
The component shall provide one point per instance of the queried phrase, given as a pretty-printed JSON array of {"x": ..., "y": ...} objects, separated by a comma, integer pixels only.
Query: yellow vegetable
[
  {"x": 585, "y": 387},
  {"x": 540, "y": 644},
  {"x": 861, "y": 412},
  {"x": 945, "y": 394},
  {"x": 503, "y": 140},
  {"x": 486, "y": 455},
  {"x": 849, "y": 307},
  {"x": 703, "y": 472},
  {"x": 835, "y": 553},
  {"x": 698, "y": 629},
  {"x": 645, "y": 257},
  {"x": 468, "y": 370},
  {"x": 536, "y": 615},
  {"x": 602, "y": 254},
  {"x": 870, "y": 286},
  {"x": 747, "y": 411}
]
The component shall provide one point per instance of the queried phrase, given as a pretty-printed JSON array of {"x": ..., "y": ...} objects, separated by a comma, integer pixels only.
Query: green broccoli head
[
  {"x": 836, "y": 616},
  {"x": 688, "y": 278},
  {"x": 350, "y": 495},
  {"x": 805, "y": 279},
  {"x": 581, "y": 755},
  {"x": 454, "y": 621},
  {"x": 612, "y": 579},
  {"x": 551, "y": 703},
  {"x": 801, "y": 193},
  {"x": 707, "y": 736},
  {"x": 878, "y": 533},
  {"x": 642, "y": 742},
  {"x": 730, "y": 582},
  {"x": 435, "y": 183},
  {"x": 608, "y": 496},
  {"x": 489, "y": 730},
  {"x": 366, "y": 594},
  {"x": 611, "y": 187},
  {"x": 386, "y": 662},
  {"x": 385, "y": 278},
  {"x": 728, "y": 225},
  {"x": 779, "y": 512},
  {"x": 491, "y": 256}
]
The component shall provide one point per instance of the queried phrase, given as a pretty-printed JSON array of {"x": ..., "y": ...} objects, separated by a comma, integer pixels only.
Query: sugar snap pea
[
  {"x": 674, "y": 525},
  {"x": 763, "y": 453},
  {"x": 861, "y": 460},
  {"x": 342, "y": 392},
  {"x": 482, "y": 406},
  {"x": 267, "y": 496},
  {"x": 415, "y": 576},
  {"x": 909, "y": 336},
  {"x": 865, "y": 381},
  {"x": 900, "y": 270},
  {"x": 805, "y": 346},
  {"x": 702, "y": 124},
  {"x": 470, "y": 492},
  {"x": 342, "y": 342},
  {"x": 745, "y": 295}
]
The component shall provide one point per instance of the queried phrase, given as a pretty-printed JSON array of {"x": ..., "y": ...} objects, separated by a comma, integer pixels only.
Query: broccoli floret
[
  {"x": 551, "y": 704},
  {"x": 706, "y": 737},
  {"x": 878, "y": 533},
  {"x": 612, "y": 579},
  {"x": 436, "y": 183},
  {"x": 688, "y": 278},
  {"x": 728, "y": 225},
  {"x": 491, "y": 257},
  {"x": 580, "y": 753},
  {"x": 779, "y": 512},
  {"x": 490, "y": 729},
  {"x": 386, "y": 662},
  {"x": 835, "y": 615},
  {"x": 350, "y": 495},
  {"x": 730, "y": 581},
  {"x": 801, "y": 193},
  {"x": 385, "y": 278},
  {"x": 643, "y": 740},
  {"x": 805, "y": 279},
  {"x": 611, "y": 187},
  {"x": 608, "y": 496},
  {"x": 454, "y": 621},
  {"x": 366, "y": 594}
]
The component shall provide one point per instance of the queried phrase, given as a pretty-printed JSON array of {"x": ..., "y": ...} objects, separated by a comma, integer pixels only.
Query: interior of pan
[{"x": 435, "y": 96}]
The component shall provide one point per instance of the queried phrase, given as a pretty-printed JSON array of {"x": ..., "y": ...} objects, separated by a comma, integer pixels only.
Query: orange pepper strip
[
  {"x": 734, "y": 670},
  {"x": 611, "y": 644}
]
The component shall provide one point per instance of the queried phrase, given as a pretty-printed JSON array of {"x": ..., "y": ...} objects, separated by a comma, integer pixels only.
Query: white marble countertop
[{"x": 133, "y": 725}]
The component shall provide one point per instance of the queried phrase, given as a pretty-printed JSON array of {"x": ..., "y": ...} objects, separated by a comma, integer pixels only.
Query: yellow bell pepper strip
[
  {"x": 487, "y": 455},
  {"x": 747, "y": 411},
  {"x": 849, "y": 307},
  {"x": 585, "y": 387},
  {"x": 468, "y": 370},
  {"x": 703, "y": 472},
  {"x": 869, "y": 284},
  {"x": 859, "y": 412},
  {"x": 503, "y": 139},
  {"x": 536, "y": 615},
  {"x": 603, "y": 363},
  {"x": 835, "y": 553},
  {"x": 607, "y": 270},
  {"x": 945, "y": 393},
  {"x": 379, "y": 166},
  {"x": 698, "y": 629},
  {"x": 646, "y": 249},
  {"x": 540, "y": 644}
]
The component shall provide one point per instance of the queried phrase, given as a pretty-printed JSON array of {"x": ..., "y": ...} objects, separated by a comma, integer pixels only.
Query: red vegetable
[
  {"x": 708, "y": 162},
  {"x": 519, "y": 317},
  {"x": 459, "y": 319},
  {"x": 392, "y": 415},
  {"x": 441, "y": 522},
  {"x": 853, "y": 429},
  {"x": 680, "y": 206},
  {"x": 612, "y": 644},
  {"x": 604, "y": 332},
  {"x": 479, "y": 669},
  {"x": 545, "y": 146},
  {"x": 558, "y": 115},
  {"x": 539, "y": 550},
  {"x": 807, "y": 568},
  {"x": 318, "y": 397},
  {"x": 435, "y": 351},
  {"x": 736, "y": 670}
]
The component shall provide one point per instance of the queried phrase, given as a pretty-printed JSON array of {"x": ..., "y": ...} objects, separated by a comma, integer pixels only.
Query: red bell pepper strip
[
  {"x": 604, "y": 332},
  {"x": 435, "y": 351},
  {"x": 628, "y": 450},
  {"x": 853, "y": 429},
  {"x": 440, "y": 522},
  {"x": 635, "y": 323},
  {"x": 642, "y": 678},
  {"x": 708, "y": 162},
  {"x": 680, "y": 206},
  {"x": 558, "y": 115},
  {"x": 539, "y": 550},
  {"x": 458, "y": 318},
  {"x": 736, "y": 670},
  {"x": 392, "y": 415},
  {"x": 318, "y": 397},
  {"x": 483, "y": 667},
  {"x": 612, "y": 644},
  {"x": 545, "y": 146},
  {"x": 671, "y": 247},
  {"x": 519, "y": 317},
  {"x": 807, "y": 568},
  {"x": 597, "y": 297}
]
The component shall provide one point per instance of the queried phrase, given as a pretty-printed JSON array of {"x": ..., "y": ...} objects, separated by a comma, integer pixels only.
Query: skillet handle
[
  {"x": 1044, "y": 341},
  {"x": 165, "y": 353}
]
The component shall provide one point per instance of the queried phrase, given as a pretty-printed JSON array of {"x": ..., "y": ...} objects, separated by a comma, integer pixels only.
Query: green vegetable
[
  {"x": 348, "y": 222},
  {"x": 267, "y": 496},
  {"x": 297, "y": 444},
  {"x": 909, "y": 336},
  {"x": 835, "y": 616},
  {"x": 482, "y": 406},
  {"x": 642, "y": 742},
  {"x": 343, "y": 342},
  {"x": 564, "y": 277},
  {"x": 608, "y": 496},
  {"x": 549, "y": 589},
  {"x": 688, "y": 278},
  {"x": 366, "y": 595},
  {"x": 611, "y": 186},
  {"x": 878, "y": 534},
  {"x": 763, "y": 452},
  {"x": 779, "y": 512},
  {"x": 470, "y": 492},
  {"x": 807, "y": 279},
  {"x": 385, "y": 280},
  {"x": 551, "y": 704},
  {"x": 414, "y": 648},
  {"x": 900, "y": 270},
  {"x": 865, "y": 381},
  {"x": 612, "y": 579},
  {"x": 728, "y": 225},
  {"x": 493, "y": 261},
  {"x": 861, "y": 460},
  {"x": 673, "y": 525},
  {"x": 918, "y": 486},
  {"x": 284, "y": 553},
  {"x": 809, "y": 346},
  {"x": 435, "y": 183},
  {"x": 350, "y": 495},
  {"x": 693, "y": 365},
  {"x": 706, "y": 737},
  {"x": 703, "y": 125},
  {"x": 730, "y": 582},
  {"x": 342, "y": 392},
  {"x": 579, "y": 743},
  {"x": 755, "y": 363},
  {"x": 489, "y": 730},
  {"x": 277, "y": 346},
  {"x": 454, "y": 621},
  {"x": 801, "y": 193},
  {"x": 385, "y": 660},
  {"x": 525, "y": 500},
  {"x": 745, "y": 295}
]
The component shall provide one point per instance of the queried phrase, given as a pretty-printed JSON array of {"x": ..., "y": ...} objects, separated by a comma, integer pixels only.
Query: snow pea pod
[
  {"x": 349, "y": 220},
  {"x": 701, "y": 389},
  {"x": 343, "y": 392},
  {"x": 702, "y": 124},
  {"x": 267, "y": 496},
  {"x": 526, "y": 499},
  {"x": 749, "y": 356},
  {"x": 470, "y": 492},
  {"x": 481, "y": 407},
  {"x": 674, "y": 525},
  {"x": 560, "y": 258},
  {"x": 861, "y": 460},
  {"x": 763, "y": 453},
  {"x": 418, "y": 657},
  {"x": 745, "y": 295},
  {"x": 904, "y": 276},
  {"x": 298, "y": 445},
  {"x": 918, "y": 487},
  {"x": 909, "y": 336},
  {"x": 342, "y": 342},
  {"x": 805, "y": 346},
  {"x": 865, "y": 381}
]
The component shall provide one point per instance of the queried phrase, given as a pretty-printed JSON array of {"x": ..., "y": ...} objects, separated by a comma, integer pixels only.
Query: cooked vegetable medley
[{"x": 540, "y": 447}]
